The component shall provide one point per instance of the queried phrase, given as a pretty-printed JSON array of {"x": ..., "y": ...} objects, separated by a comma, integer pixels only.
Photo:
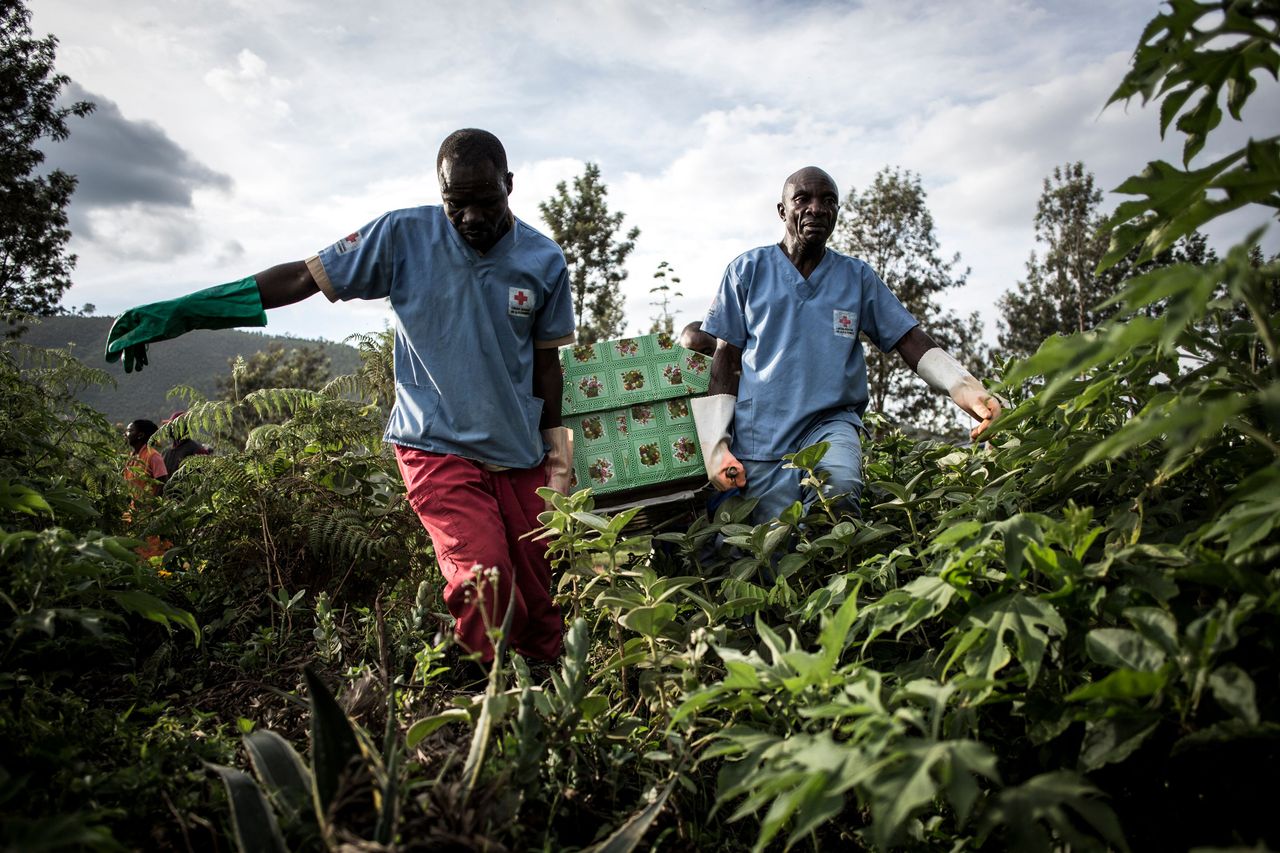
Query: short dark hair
[
  {"x": 471, "y": 145},
  {"x": 144, "y": 427}
]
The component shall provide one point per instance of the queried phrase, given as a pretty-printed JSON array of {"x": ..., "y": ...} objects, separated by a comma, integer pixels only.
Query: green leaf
[
  {"x": 333, "y": 741},
  {"x": 807, "y": 458},
  {"x": 649, "y": 621},
  {"x": 1234, "y": 691},
  {"x": 252, "y": 821},
  {"x": 1120, "y": 684},
  {"x": 1156, "y": 625},
  {"x": 1174, "y": 204},
  {"x": 1063, "y": 358},
  {"x": 923, "y": 769},
  {"x": 1041, "y": 814},
  {"x": 628, "y": 836},
  {"x": 19, "y": 498},
  {"x": 835, "y": 633},
  {"x": 1112, "y": 739},
  {"x": 1120, "y": 647},
  {"x": 278, "y": 765},
  {"x": 1023, "y": 621},
  {"x": 424, "y": 727},
  {"x": 1018, "y": 532},
  {"x": 1180, "y": 423},
  {"x": 148, "y": 606}
]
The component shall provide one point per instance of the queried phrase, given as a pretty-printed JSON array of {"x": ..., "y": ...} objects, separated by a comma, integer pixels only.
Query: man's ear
[
  {"x": 510, "y": 182},
  {"x": 782, "y": 211}
]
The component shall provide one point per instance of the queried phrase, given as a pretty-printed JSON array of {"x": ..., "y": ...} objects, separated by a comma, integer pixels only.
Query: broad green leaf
[
  {"x": 1156, "y": 625},
  {"x": 424, "y": 727},
  {"x": 925, "y": 769},
  {"x": 252, "y": 821},
  {"x": 807, "y": 457},
  {"x": 649, "y": 621},
  {"x": 1112, "y": 739},
  {"x": 1046, "y": 811},
  {"x": 590, "y": 519},
  {"x": 1234, "y": 690},
  {"x": 1120, "y": 684},
  {"x": 628, "y": 836},
  {"x": 1180, "y": 423},
  {"x": 955, "y": 534},
  {"x": 333, "y": 741},
  {"x": 1061, "y": 359},
  {"x": 835, "y": 632},
  {"x": 148, "y": 606},
  {"x": 282, "y": 771},
  {"x": 1122, "y": 648},
  {"x": 19, "y": 498},
  {"x": 929, "y": 596},
  {"x": 1017, "y": 532},
  {"x": 1012, "y": 619},
  {"x": 1174, "y": 204}
]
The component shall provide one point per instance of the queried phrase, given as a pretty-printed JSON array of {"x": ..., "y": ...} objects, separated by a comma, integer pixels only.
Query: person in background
[
  {"x": 182, "y": 446},
  {"x": 145, "y": 471},
  {"x": 789, "y": 370}
]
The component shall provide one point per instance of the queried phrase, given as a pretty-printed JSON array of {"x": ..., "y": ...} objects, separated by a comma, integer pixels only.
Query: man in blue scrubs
[
  {"x": 789, "y": 369},
  {"x": 482, "y": 302}
]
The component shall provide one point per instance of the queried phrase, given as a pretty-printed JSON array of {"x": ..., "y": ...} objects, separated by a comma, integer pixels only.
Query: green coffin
[{"x": 627, "y": 402}]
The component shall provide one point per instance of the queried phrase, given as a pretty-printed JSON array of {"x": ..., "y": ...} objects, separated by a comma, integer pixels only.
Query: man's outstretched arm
[
  {"x": 285, "y": 284},
  {"x": 234, "y": 304},
  {"x": 943, "y": 373},
  {"x": 712, "y": 415}
]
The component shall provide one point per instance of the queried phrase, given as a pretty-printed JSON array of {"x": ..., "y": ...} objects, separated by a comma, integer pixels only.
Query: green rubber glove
[{"x": 222, "y": 307}]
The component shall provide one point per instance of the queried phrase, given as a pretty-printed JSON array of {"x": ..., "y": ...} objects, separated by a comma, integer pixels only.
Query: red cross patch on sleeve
[
  {"x": 520, "y": 302},
  {"x": 347, "y": 243}
]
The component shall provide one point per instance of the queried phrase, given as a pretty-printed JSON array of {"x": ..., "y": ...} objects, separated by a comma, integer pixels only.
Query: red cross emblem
[
  {"x": 844, "y": 320},
  {"x": 521, "y": 298},
  {"x": 354, "y": 236}
]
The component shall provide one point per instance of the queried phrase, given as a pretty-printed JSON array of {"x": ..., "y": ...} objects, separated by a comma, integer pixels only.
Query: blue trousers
[{"x": 778, "y": 487}]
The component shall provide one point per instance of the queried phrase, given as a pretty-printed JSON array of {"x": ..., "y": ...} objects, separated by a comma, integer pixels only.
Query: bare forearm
[
  {"x": 285, "y": 284},
  {"x": 726, "y": 368},
  {"x": 547, "y": 385},
  {"x": 914, "y": 345}
]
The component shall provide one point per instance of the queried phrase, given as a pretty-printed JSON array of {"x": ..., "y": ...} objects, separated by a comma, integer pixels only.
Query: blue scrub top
[
  {"x": 802, "y": 361},
  {"x": 466, "y": 328}
]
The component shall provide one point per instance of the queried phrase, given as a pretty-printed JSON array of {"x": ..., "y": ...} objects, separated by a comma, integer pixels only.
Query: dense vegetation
[
  {"x": 1066, "y": 638},
  {"x": 200, "y": 360}
]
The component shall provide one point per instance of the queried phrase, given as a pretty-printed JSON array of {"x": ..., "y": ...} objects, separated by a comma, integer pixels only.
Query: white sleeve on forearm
[
  {"x": 712, "y": 416},
  {"x": 942, "y": 372}
]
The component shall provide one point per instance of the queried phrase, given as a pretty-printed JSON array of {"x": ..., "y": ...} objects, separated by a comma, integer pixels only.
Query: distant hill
[{"x": 195, "y": 359}]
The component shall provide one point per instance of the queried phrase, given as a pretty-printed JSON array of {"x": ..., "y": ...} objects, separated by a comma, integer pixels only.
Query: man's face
[
  {"x": 134, "y": 437},
  {"x": 809, "y": 206},
  {"x": 475, "y": 200}
]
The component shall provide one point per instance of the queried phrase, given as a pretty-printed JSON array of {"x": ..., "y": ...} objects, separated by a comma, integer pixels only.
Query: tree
[
  {"x": 666, "y": 290},
  {"x": 274, "y": 367},
  {"x": 1062, "y": 292},
  {"x": 301, "y": 367},
  {"x": 581, "y": 223},
  {"x": 889, "y": 226},
  {"x": 35, "y": 267}
]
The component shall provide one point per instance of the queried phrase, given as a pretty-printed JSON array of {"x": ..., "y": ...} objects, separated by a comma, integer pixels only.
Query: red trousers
[{"x": 476, "y": 519}]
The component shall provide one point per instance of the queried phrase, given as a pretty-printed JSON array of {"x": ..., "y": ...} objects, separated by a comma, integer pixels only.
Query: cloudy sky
[{"x": 231, "y": 135}]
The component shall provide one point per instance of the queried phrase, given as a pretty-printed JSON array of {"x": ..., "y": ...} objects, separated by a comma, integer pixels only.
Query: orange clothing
[{"x": 144, "y": 470}]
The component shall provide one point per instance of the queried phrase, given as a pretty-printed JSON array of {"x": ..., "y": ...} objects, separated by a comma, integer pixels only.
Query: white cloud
[{"x": 248, "y": 85}]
